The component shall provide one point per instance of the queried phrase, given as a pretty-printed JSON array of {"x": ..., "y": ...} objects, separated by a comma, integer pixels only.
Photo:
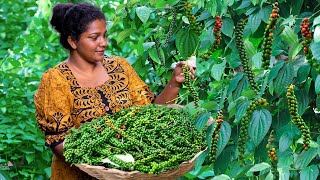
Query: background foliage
[{"x": 144, "y": 33}]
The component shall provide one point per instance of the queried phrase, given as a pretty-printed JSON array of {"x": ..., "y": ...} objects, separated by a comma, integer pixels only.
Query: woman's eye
[{"x": 94, "y": 38}]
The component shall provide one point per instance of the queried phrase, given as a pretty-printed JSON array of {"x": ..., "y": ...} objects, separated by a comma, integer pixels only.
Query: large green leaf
[
  {"x": 303, "y": 100},
  {"x": 260, "y": 125},
  {"x": 201, "y": 158},
  {"x": 154, "y": 55},
  {"x": 317, "y": 84},
  {"x": 284, "y": 142},
  {"x": 217, "y": 70},
  {"x": 227, "y": 26},
  {"x": 224, "y": 136},
  {"x": 285, "y": 78},
  {"x": 275, "y": 70},
  {"x": 258, "y": 167},
  {"x": 309, "y": 173},
  {"x": 186, "y": 42},
  {"x": 241, "y": 110},
  {"x": 250, "y": 49},
  {"x": 212, "y": 7},
  {"x": 296, "y": 6},
  {"x": 289, "y": 36},
  {"x": 254, "y": 21},
  {"x": 202, "y": 120},
  {"x": 143, "y": 13},
  {"x": 221, "y": 177},
  {"x": 317, "y": 34},
  {"x": 305, "y": 158},
  {"x": 124, "y": 34},
  {"x": 243, "y": 84},
  {"x": 303, "y": 73},
  {"x": 294, "y": 50},
  {"x": 234, "y": 82},
  {"x": 284, "y": 173}
]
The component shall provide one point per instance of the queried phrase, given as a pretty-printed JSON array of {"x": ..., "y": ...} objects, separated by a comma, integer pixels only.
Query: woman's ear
[{"x": 72, "y": 42}]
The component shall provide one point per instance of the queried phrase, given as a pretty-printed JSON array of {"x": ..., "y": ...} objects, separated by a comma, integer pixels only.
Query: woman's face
[{"x": 93, "y": 42}]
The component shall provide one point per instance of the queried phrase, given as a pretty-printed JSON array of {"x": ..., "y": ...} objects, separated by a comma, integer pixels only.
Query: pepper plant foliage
[{"x": 242, "y": 78}]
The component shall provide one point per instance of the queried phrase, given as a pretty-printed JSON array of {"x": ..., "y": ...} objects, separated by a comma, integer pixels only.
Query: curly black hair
[{"x": 70, "y": 19}]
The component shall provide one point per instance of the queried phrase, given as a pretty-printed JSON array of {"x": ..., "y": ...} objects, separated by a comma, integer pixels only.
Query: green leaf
[
  {"x": 250, "y": 50},
  {"x": 315, "y": 48},
  {"x": 202, "y": 120},
  {"x": 284, "y": 142},
  {"x": 143, "y": 13},
  {"x": 234, "y": 82},
  {"x": 257, "y": 60},
  {"x": 217, "y": 70},
  {"x": 317, "y": 34},
  {"x": 303, "y": 73},
  {"x": 284, "y": 79},
  {"x": 186, "y": 42},
  {"x": 30, "y": 157},
  {"x": 254, "y": 22},
  {"x": 294, "y": 50},
  {"x": 209, "y": 106},
  {"x": 199, "y": 161},
  {"x": 305, "y": 158},
  {"x": 260, "y": 125},
  {"x": 241, "y": 110},
  {"x": 154, "y": 55},
  {"x": 259, "y": 167},
  {"x": 316, "y": 21},
  {"x": 254, "y": 2},
  {"x": 224, "y": 136},
  {"x": 212, "y": 7},
  {"x": 227, "y": 26},
  {"x": 311, "y": 172},
  {"x": 284, "y": 173},
  {"x": 275, "y": 70},
  {"x": 48, "y": 171},
  {"x": 289, "y": 36},
  {"x": 303, "y": 99},
  {"x": 317, "y": 84},
  {"x": 296, "y": 6},
  {"x": 124, "y": 34},
  {"x": 244, "y": 4},
  {"x": 221, "y": 177}
]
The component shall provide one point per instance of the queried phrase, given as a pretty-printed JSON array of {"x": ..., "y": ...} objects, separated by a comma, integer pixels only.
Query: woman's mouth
[{"x": 101, "y": 53}]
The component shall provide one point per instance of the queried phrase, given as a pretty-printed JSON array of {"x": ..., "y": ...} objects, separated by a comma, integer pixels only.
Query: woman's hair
[{"x": 73, "y": 19}]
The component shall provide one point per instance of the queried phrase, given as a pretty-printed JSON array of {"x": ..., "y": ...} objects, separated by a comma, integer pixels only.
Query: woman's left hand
[{"x": 178, "y": 75}]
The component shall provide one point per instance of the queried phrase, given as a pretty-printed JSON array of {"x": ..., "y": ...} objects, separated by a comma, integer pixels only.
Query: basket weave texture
[{"x": 103, "y": 173}]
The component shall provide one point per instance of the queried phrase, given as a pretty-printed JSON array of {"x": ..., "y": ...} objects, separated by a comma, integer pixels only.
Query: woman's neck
[{"x": 82, "y": 65}]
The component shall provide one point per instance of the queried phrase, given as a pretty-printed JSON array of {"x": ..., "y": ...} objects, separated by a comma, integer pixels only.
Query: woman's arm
[
  {"x": 171, "y": 90},
  {"x": 58, "y": 150}
]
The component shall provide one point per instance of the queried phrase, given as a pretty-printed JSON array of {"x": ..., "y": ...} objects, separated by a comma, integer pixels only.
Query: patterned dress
[{"x": 62, "y": 104}]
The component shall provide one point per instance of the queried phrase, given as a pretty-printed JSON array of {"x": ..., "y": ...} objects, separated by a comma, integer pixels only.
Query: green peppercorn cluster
[
  {"x": 217, "y": 41},
  {"x": 158, "y": 137},
  {"x": 187, "y": 82},
  {"x": 245, "y": 124},
  {"x": 215, "y": 138},
  {"x": 296, "y": 118},
  {"x": 268, "y": 36},
  {"x": 243, "y": 56},
  {"x": 272, "y": 156},
  {"x": 171, "y": 26},
  {"x": 195, "y": 26},
  {"x": 305, "y": 30}
]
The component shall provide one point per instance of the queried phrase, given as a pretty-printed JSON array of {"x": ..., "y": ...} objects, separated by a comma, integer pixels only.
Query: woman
[{"x": 87, "y": 85}]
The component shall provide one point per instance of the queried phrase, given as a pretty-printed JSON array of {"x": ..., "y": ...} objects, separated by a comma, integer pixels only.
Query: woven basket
[{"x": 101, "y": 172}]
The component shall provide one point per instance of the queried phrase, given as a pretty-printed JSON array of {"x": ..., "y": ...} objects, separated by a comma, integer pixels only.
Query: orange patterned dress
[{"x": 62, "y": 104}]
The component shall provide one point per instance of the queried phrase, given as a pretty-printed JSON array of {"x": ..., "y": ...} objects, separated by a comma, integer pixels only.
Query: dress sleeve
[
  {"x": 140, "y": 92},
  {"x": 54, "y": 102}
]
